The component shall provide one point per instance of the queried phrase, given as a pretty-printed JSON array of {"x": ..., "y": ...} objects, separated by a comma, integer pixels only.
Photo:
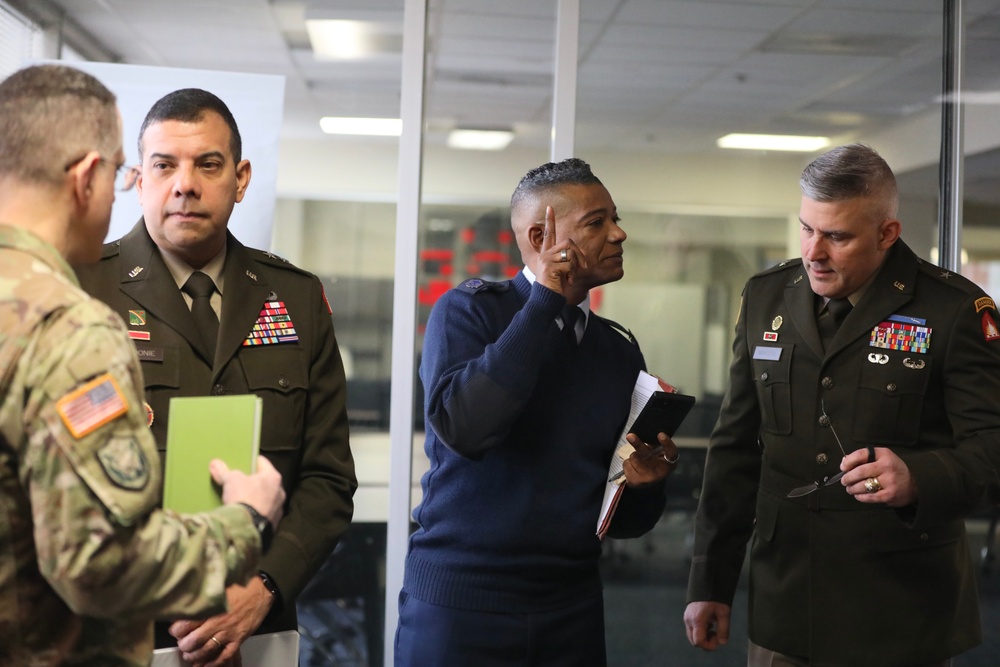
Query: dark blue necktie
[{"x": 570, "y": 315}]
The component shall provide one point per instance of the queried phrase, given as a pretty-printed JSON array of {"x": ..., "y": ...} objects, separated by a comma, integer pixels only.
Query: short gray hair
[
  {"x": 851, "y": 172},
  {"x": 51, "y": 115}
]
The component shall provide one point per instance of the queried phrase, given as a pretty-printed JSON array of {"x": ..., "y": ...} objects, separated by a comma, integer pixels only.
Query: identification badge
[
  {"x": 149, "y": 353},
  {"x": 767, "y": 353}
]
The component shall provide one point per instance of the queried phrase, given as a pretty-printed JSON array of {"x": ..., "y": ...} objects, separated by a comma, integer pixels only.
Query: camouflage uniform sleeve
[{"x": 94, "y": 481}]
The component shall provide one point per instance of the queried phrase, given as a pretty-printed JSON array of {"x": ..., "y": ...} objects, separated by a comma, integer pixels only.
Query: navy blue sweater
[{"x": 521, "y": 427}]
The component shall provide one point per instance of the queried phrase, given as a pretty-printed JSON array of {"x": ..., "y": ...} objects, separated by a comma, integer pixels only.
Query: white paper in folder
[{"x": 276, "y": 649}]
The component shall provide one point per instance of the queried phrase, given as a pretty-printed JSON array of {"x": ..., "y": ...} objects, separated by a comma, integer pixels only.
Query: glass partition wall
[{"x": 659, "y": 83}]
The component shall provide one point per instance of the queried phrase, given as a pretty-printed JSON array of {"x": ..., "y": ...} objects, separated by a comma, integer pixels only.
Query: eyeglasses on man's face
[{"x": 125, "y": 177}]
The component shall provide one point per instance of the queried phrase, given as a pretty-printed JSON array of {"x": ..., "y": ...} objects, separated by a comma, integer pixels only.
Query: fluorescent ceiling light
[
  {"x": 773, "y": 142},
  {"x": 376, "y": 127},
  {"x": 339, "y": 40},
  {"x": 990, "y": 97},
  {"x": 481, "y": 140}
]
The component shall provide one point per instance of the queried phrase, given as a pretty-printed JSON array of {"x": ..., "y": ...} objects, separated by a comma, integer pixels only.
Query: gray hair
[
  {"x": 851, "y": 172},
  {"x": 51, "y": 115}
]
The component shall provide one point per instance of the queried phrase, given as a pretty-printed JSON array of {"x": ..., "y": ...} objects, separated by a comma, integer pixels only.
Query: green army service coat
[
  {"x": 834, "y": 580},
  {"x": 304, "y": 430}
]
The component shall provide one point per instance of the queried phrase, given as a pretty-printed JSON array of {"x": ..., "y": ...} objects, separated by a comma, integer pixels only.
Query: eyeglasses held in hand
[{"x": 816, "y": 486}]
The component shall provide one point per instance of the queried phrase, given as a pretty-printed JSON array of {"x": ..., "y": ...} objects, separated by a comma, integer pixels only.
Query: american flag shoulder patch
[{"x": 91, "y": 406}]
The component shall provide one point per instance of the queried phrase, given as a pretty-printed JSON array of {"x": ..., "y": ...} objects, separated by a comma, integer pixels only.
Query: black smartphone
[{"x": 663, "y": 413}]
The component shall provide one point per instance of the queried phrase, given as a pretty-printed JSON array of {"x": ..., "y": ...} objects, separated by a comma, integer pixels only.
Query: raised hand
[{"x": 557, "y": 261}]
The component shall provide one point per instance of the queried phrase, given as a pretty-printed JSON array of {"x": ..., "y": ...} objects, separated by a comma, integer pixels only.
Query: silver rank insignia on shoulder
[
  {"x": 797, "y": 280},
  {"x": 136, "y": 271},
  {"x": 876, "y": 358},
  {"x": 915, "y": 364}
]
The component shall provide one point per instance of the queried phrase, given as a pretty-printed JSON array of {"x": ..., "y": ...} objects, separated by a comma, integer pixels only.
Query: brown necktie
[{"x": 200, "y": 288}]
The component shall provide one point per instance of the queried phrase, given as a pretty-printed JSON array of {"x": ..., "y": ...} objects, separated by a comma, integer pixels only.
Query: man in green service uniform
[
  {"x": 86, "y": 559},
  {"x": 256, "y": 324},
  {"x": 861, "y": 359}
]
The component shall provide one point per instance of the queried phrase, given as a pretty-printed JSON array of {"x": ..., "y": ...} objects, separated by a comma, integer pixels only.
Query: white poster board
[{"x": 257, "y": 102}]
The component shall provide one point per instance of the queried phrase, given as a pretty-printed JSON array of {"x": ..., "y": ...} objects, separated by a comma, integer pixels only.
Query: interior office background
[{"x": 655, "y": 84}]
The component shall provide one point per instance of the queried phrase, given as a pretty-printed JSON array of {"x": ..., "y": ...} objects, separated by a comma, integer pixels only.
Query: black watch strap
[
  {"x": 277, "y": 606},
  {"x": 269, "y": 584},
  {"x": 263, "y": 526}
]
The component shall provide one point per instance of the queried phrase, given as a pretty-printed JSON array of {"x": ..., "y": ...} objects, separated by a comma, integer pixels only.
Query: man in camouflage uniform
[{"x": 86, "y": 559}]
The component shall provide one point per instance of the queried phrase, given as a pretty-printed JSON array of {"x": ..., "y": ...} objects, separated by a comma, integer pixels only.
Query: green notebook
[{"x": 202, "y": 428}]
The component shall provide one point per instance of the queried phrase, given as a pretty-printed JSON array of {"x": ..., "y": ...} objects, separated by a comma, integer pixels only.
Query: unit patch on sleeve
[
  {"x": 902, "y": 337},
  {"x": 990, "y": 331},
  {"x": 93, "y": 405},
  {"x": 273, "y": 325},
  {"x": 327, "y": 302},
  {"x": 124, "y": 462},
  {"x": 985, "y": 302}
]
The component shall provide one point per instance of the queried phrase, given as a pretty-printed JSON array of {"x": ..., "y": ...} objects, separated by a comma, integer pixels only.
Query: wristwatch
[
  {"x": 269, "y": 583},
  {"x": 263, "y": 526}
]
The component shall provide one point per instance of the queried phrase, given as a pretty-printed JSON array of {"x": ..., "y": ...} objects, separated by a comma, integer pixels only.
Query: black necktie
[
  {"x": 200, "y": 288},
  {"x": 570, "y": 314},
  {"x": 831, "y": 319}
]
